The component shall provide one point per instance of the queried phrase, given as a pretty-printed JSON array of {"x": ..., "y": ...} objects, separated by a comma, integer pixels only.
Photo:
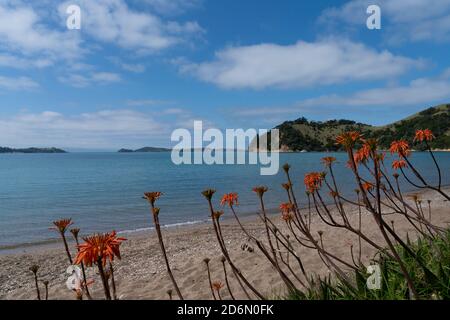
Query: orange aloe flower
[
  {"x": 400, "y": 147},
  {"x": 217, "y": 215},
  {"x": 217, "y": 285},
  {"x": 348, "y": 139},
  {"x": 368, "y": 186},
  {"x": 334, "y": 194},
  {"x": 397, "y": 164},
  {"x": 424, "y": 135},
  {"x": 152, "y": 196},
  {"x": 349, "y": 164},
  {"x": 230, "y": 199},
  {"x": 102, "y": 247},
  {"x": 328, "y": 161},
  {"x": 362, "y": 155},
  {"x": 287, "y": 216},
  {"x": 62, "y": 225},
  {"x": 286, "y": 212},
  {"x": 371, "y": 144},
  {"x": 286, "y": 207},
  {"x": 286, "y": 186},
  {"x": 313, "y": 181},
  {"x": 208, "y": 193},
  {"x": 260, "y": 190}
]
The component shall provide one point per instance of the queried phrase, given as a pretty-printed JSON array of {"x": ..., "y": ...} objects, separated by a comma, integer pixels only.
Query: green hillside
[
  {"x": 31, "y": 150},
  {"x": 301, "y": 134}
]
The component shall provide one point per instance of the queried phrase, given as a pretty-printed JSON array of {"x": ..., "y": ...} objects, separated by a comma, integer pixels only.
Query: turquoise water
[{"x": 103, "y": 191}]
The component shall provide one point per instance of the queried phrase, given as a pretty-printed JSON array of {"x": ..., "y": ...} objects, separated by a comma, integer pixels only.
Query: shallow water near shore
[{"x": 103, "y": 191}]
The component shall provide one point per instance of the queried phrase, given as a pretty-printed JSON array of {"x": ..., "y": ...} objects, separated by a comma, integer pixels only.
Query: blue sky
[{"x": 139, "y": 69}]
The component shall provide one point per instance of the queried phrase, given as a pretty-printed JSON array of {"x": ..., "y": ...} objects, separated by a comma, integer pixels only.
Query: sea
[{"x": 102, "y": 192}]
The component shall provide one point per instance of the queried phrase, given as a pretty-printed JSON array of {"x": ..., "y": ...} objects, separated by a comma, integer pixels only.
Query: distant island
[
  {"x": 153, "y": 149},
  {"x": 31, "y": 150},
  {"x": 145, "y": 149},
  {"x": 302, "y": 135}
]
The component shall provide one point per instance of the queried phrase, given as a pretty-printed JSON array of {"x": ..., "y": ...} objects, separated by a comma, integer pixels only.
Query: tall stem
[
  {"x": 163, "y": 249},
  {"x": 237, "y": 272},
  {"x": 436, "y": 164},
  {"x": 101, "y": 270},
  {"x": 46, "y": 290},
  {"x": 210, "y": 281},
  {"x": 66, "y": 247},
  {"x": 113, "y": 281},
  {"x": 38, "y": 292},
  {"x": 88, "y": 294},
  {"x": 226, "y": 279}
]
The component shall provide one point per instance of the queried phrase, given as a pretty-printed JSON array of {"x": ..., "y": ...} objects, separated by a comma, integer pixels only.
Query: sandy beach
[{"x": 141, "y": 273}]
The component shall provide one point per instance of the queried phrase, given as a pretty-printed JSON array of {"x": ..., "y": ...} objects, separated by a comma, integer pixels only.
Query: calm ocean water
[{"x": 103, "y": 191}]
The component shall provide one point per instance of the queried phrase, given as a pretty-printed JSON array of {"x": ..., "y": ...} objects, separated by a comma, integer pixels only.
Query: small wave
[
  {"x": 180, "y": 224},
  {"x": 135, "y": 230},
  {"x": 53, "y": 241},
  {"x": 18, "y": 246},
  {"x": 167, "y": 226}
]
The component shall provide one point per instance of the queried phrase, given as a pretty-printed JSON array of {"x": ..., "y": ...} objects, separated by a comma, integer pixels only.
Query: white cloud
[
  {"x": 136, "y": 68},
  {"x": 11, "y": 61},
  {"x": 419, "y": 92},
  {"x": 34, "y": 33},
  {"x": 105, "y": 77},
  {"x": 104, "y": 129},
  {"x": 113, "y": 21},
  {"x": 174, "y": 111},
  {"x": 108, "y": 128},
  {"x": 17, "y": 83},
  {"x": 303, "y": 64},
  {"x": 415, "y": 20},
  {"x": 96, "y": 78},
  {"x": 23, "y": 31},
  {"x": 131, "y": 67}
]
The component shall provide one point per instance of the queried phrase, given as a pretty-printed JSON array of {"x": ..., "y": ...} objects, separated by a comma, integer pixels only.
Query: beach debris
[
  {"x": 74, "y": 281},
  {"x": 99, "y": 249},
  {"x": 247, "y": 247}
]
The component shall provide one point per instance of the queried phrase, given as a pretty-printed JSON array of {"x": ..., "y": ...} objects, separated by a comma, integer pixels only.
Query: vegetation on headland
[
  {"x": 304, "y": 135},
  {"x": 418, "y": 270},
  {"x": 31, "y": 150},
  {"x": 434, "y": 253},
  {"x": 145, "y": 149}
]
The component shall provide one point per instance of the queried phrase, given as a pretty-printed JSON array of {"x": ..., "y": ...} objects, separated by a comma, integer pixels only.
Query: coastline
[
  {"x": 169, "y": 151},
  {"x": 55, "y": 242},
  {"x": 141, "y": 273},
  {"x": 50, "y": 244}
]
